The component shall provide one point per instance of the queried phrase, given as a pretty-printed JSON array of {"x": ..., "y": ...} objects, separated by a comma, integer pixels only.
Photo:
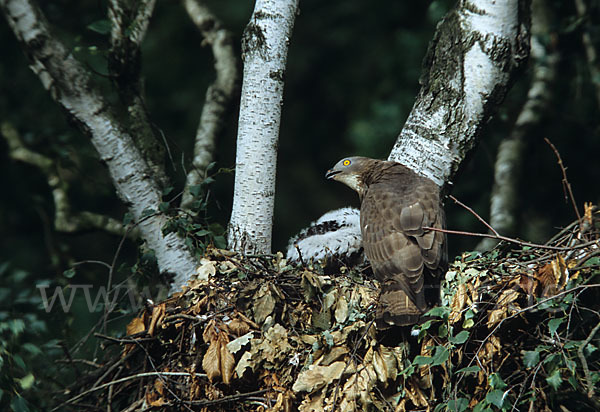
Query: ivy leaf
[
  {"x": 196, "y": 190},
  {"x": 69, "y": 273},
  {"x": 460, "y": 338},
  {"x": 495, "y": 397},
  {"x": 469, "y": 369},
  {"x": 439, "y": 312},
  {"x": 554, "y": 324},
  {"x": 496, "y": 381},
  {"x": 127, "y": 218},
  {"x": 100, "y": 26},
  {"x": 440, "y": 356},
  {"x": 458, "y": 405},
  {"x": 422, "y": 360},
  {"x": 554, "y": 380},
  {"x": 531, "y": 358}
]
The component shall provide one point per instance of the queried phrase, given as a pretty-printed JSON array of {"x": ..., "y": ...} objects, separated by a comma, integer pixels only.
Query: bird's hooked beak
[{"x": 331, "y": 173}]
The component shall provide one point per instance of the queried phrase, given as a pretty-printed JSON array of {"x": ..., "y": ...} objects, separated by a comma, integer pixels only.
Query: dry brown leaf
[
  {"x": 458, "y": 303},
  {"x": 158, "y": 314},
  {"x": 217, "y": 360},
  {"x": 316, "y": 376},
  {"x": 415, "y": 394},
  {"x": 135, "y": 326},
  {"x": 264, "y": 303},
  {"x": 206, "y": 269},
  {"x": 226, "y": 358},
  {"x": 341, "y": 310}
]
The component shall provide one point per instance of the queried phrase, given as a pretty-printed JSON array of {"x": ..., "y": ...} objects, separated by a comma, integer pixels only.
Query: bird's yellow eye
[{"x": 346, "y": 162}]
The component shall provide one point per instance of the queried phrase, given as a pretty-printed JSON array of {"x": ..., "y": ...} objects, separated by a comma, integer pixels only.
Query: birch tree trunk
[
  {"x": 70, "y": 86},
  {"x": 509, "y": 159},
  {"x": 264, "y": 52},
  {"x": 475, "y": 52}
]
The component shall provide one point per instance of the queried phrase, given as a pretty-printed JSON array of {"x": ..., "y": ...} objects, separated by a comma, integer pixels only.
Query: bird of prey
[{"x": 396, "y": 203}]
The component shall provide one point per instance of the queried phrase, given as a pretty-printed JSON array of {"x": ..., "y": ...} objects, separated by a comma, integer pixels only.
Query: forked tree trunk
[{"x": 475, "y": 52}]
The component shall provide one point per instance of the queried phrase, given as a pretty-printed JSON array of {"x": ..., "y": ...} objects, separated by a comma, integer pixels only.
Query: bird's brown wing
[{"x": 393, "y": 214}]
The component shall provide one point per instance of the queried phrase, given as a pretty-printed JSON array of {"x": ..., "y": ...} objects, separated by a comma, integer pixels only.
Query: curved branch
[
  {"x": 70, "y": 86},
  {"x": 65, "y": 220},
  {"x": 219, "y": 95}
]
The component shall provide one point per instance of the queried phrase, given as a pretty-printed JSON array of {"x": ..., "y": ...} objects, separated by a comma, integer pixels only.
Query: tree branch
[
  {"x": 65, "y": 220},
  {"x": 590, "y": 51},
  {"x": 476, "y": 50},
  {"x": 509, "y": 159},
  {"x": 219, "y": 95},
  {"x": 70, "y": 86}
]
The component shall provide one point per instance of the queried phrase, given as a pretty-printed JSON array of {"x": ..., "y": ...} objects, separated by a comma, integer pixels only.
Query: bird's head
[{"x": 349, "y": 172}]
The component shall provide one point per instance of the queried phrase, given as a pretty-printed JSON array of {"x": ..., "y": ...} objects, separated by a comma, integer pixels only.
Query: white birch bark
[
  {"x": 476, "y": 50},
  {"x": 509, "y": 159},
  {"x": 264, "y": 52},
  {"x": 69, "y": 84}
]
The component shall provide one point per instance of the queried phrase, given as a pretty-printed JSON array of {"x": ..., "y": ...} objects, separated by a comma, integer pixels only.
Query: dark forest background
[{"x": 352, "y": 77}]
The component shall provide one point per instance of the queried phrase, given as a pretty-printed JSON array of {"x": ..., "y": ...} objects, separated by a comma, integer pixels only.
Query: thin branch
[
  {"x": 584, "y": 364},
  {"x": 125, "y": 379},
  {"x": 496, "y": 234},
  {"x": 565, "y": 181},
  {"x": 510, "y": 240},
  {"x": 65, "y": 220},
  {"x": 219, "y": 95}
]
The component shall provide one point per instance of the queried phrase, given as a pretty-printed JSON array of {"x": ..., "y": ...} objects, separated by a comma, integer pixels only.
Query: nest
[{"x": 516, "y": 330}]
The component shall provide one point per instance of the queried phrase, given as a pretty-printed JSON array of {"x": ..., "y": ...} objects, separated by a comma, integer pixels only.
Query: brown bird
[{"x": 396, "y": 203}]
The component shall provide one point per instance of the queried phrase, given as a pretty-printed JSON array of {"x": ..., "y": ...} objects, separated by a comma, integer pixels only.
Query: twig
[
  {"x": 565, "y": 181},
  {"x": 497, "y": 235},
  {"x": 508, "y": 239},
  {"x": 230, "y": 398},
  {"x": 125, "y": 379},
  {"x": 584, "y": 364}
]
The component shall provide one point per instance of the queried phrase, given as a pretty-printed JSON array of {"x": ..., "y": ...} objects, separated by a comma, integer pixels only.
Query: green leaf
[
  {"x": 19, "y": 404},
  {"x": 203, "y": 232},
  {"x": 531, "y": 358},
  {"x": 554, "y": 380},
  {"x": 458, "y": 405},
  {"x": 496, "y": 381},
  {"x": 469, "y": 369},
  {"x": 167, "y": 190},
  {"x": 100, "y": 26},
  {"x": 460, "y": 338},
  {"x": 220, "y": 242},
  {"x": 196, "y": 190},
  {"x": 127, "y": 218},
  {"x": 69, "y": 273},
  {"x": 439, "y": 312},
  {"x": 148, "y": 212},
  {"x": 164, "y": 206},
  {"x": 27, "y": 381},
  {"x": 495, "y": 397},
  {"x": 422, "y": 360},
  {"x": 554, "y": 324},
  {"x": 441, "y": 355},
  {"x": 31, "y": 348}
]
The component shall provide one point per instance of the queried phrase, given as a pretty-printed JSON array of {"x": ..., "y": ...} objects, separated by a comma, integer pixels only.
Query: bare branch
[
  {"x": 65, "y": 220},
  {"x": 69, "y": 84},
  {"x": 586, "y": 369},
  {"x": 565, "y": 181},
  {"x": 219, "y": 95},
  {"x": 475, "y": 214}
]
